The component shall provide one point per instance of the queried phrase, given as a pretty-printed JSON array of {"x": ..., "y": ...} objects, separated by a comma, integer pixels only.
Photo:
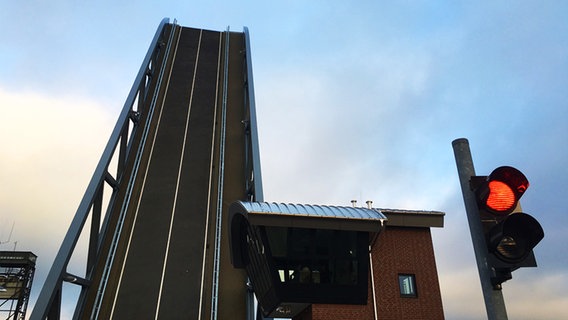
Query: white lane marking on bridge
[
  {"x": 143, "y": 187},
  {"x": 178, "y": 177}
]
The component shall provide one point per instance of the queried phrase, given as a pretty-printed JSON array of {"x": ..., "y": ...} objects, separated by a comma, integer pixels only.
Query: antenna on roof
[{"x": 9, "y": 235}]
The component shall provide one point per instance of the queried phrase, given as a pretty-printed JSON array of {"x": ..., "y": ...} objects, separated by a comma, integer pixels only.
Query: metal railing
[
  {"x": 48, "y": 304},
  {"x": 219, "y": 211}
]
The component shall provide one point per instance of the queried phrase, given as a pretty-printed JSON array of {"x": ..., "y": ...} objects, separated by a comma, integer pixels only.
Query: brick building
[{"x": 404, "y": 275}]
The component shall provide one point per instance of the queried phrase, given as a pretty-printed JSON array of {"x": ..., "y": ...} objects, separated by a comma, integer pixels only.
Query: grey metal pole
[{"x": 494, "y": 303}]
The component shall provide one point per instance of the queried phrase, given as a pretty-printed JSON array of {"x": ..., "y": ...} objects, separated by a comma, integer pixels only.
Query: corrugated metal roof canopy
[{"x": 310, "y": 216}]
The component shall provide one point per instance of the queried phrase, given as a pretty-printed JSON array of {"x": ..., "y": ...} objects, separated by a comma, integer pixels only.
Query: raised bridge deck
[{"x": 163, "y": 249}]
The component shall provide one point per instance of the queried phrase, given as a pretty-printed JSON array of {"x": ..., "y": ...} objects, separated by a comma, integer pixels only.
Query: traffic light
[{"x": 509, "y": 233}]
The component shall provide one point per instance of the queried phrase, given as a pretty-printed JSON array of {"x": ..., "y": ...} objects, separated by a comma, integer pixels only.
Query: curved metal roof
[
  {"x": 308, "y": 210},
  {"x": 310, "y": 216}
]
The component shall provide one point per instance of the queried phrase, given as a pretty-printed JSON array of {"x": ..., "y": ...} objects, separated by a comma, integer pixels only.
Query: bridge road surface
[{"x": 163, "y": 265}]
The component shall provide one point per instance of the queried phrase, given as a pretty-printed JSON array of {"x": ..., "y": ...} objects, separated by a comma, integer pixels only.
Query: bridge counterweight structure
[{"x": 153, "y": 251}]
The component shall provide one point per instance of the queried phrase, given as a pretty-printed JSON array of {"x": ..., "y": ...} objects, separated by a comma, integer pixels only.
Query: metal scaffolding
[{"x": 16, "y": 276}]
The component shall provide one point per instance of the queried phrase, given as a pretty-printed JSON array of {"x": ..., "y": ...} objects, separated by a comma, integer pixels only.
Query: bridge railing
[{"x": 48, "y": 304}]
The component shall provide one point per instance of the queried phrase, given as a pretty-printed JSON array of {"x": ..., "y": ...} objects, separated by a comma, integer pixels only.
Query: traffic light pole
[{"x": 494, "y": 303}]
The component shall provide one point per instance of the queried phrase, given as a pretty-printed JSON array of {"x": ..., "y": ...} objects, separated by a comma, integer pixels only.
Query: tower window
[{"x": 407, "y": 284}]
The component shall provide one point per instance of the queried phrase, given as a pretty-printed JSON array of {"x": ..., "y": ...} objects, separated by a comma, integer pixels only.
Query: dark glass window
[
  {"x": 407, "y": 284},
  {"x": 303, "y": 255},
  {"x": 310, "y": 265}
]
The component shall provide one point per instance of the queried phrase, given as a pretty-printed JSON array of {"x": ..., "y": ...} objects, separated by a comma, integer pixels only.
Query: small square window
[{"x": 407, "y": 284}]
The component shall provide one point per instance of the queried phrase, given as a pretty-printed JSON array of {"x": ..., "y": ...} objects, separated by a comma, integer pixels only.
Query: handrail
[
  {"x": 221, "y": 178},
  {"x": 48, "y": 303}
]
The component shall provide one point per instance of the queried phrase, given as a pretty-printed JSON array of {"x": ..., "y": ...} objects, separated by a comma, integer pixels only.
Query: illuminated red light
[
  {"x": 504, "y": 187},
  {"x": 501, "y": 198}
]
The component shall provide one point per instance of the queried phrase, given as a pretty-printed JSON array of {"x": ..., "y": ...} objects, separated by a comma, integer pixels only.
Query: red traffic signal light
[
  {"x": 502, "y": 190},
  {"x": 510, "y": 234}
]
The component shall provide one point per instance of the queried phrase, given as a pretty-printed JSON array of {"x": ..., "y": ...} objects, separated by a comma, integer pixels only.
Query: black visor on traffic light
[{"x": 502, "y": 190}]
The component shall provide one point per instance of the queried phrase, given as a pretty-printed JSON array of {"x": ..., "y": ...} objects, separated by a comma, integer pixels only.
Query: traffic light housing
[{"x": 509, "y": 233}]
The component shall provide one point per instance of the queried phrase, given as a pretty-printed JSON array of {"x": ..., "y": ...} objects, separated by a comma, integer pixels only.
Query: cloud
[
  {"x": 461, "y": 294},
  {"x": 50, "y": 147},
  {"x": 337, "y": 123},
  {"x": 550, "y": 289},
  {"x": 529, "y": 295}
]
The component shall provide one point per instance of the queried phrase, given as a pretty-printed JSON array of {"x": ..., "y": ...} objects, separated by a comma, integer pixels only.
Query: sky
[{"x": 354, "y": 101}]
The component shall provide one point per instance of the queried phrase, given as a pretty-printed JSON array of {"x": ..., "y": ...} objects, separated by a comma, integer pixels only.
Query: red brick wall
[{"x": 397, "y": 250}]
